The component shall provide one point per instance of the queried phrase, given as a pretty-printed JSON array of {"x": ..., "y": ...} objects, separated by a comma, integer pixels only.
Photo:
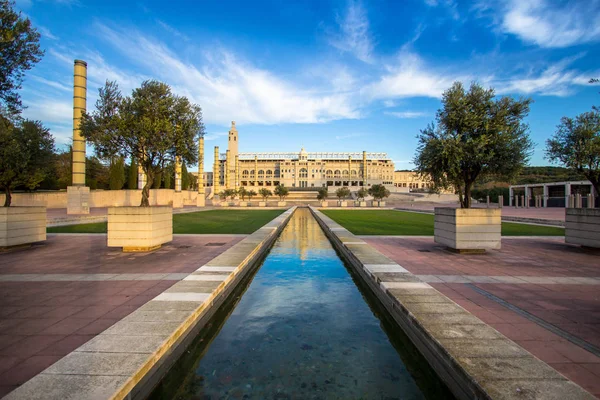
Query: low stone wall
[
  {"x": 468, "y": 229},
  {"x": 127, "y": 360},
  {"x": 472, "y": 358},
  {"x": 139, "y": 228},
  {"x": 582, "y": 226},
  {"x": 106, "y": 198},
  {"x": 22, "y": 225}
]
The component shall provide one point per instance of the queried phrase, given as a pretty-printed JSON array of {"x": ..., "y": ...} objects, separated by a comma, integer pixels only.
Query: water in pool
[{"x": 302, "y": 330}]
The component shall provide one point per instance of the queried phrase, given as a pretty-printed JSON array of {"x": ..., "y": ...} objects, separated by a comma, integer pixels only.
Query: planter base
[
  {"x": 139, "y": 229},
  {"x": 582, "y": 227},
  {"x": 21, "y": 226},
  {"x": 78, "y": 200},
  {"x": 468, "y": 230},
  {"x": 281, "y": 204}
]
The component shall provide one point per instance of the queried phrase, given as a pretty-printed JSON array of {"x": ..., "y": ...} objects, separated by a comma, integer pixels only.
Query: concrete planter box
[
  {"x": 224, "y": 204},
  {"x": 378, "y": 203},
  {"x": 22, "y": 225},
  {"x": 582, "y": 226},
  {"x": 324, "y": 204},
  {"x": 362, "y": 203},
  {"x": 243, "y": 204},
  {"x": 262, "y": 203},
  {"x": 342, "y": 204},
  {"x": 138, "y": 229},
  {"x": 468, "y": 229},
  {"x": 281, "y": 204}
]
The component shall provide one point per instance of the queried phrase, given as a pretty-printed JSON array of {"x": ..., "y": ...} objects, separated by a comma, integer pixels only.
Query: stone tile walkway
[
  {"x": 546, "y": 278},
  {"x": 56, "y": 296}
]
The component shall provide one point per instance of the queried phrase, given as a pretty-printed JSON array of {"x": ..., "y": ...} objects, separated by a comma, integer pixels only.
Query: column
[
  {"x": 349, "y": 171},
  {"x": 201, "y": 198},
  {"x": 216, "y": 176},
  {"x": 237, "y": 172},
  {"x": 510, "y": 196},
  {"x": 256, "y": 171},
  {"x": 567, "y": 194},
  {"x": 141, "y": 177},
  {"x": 178, "y": 174},
  {"x": 545, "y": 198},
  {"x": 78, "y": 194},
  {"x": 227, "y": 169},
  {"x": 364, "y": 171}
]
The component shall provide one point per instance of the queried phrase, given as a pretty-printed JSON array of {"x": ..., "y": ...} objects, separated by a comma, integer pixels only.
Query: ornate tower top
[{"x": 233, "y": 140}]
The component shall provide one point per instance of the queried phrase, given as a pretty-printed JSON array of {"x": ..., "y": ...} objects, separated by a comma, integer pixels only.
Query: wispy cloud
[
  {"x": 215, "y": 136},
  {"x": 172, "y": 30},
  {"x": 348, "y": 136},
  {"x": 227, "y": 86},
  {"x": 406, "y": 114},
  {"x": 551, "y": 23},
  {"x": 54, "y": 84},
  {"x": 353, "y": 35},
  {"x": 45, "y": 32},
  {"x": 449, "y": 5}
]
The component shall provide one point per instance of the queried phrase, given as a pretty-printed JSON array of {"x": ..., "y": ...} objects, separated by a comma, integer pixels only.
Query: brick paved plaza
[
  {"x": 59, "y": 294},
  {"x": 555, "y": 282}
]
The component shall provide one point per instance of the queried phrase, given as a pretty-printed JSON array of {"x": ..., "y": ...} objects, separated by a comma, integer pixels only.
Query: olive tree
[
  {"x": 153, "y": 125},
  {"x": 322, "y": 193},
  {"x": 265, "y": 193},
  {"x": 379, "y": 192},
  {"x": 576, "y": 144},
  {"x": 342, "y": 193},
  {"x": 26, "y": 155},
  {"x": 362, "y": 193},
  {"x": 477, "y": 135},
  {"x": 281, "y": 191},
  {"x": 19, "y": 52}
]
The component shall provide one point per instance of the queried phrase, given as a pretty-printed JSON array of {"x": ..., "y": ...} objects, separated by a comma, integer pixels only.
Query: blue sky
[{"x": 339, "y": 75}]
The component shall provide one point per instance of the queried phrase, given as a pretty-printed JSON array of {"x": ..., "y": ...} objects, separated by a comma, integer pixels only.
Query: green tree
[
  {"x": 96, "y": 173},
  {"x": 342, "y": 193},
  {"x": 133, "y": 175},
  {"x": 378, "y": 192},
  {"x": 576, "y": 144},
  {"x": 157, "y": 181},
  {"x": 251, "y": 194},
  {"x": 228, "y": 193},
  {"x": 19, "y": 52},
  {"x": 26, "y": 154},
  {"x": 281, "y": 191},
  {"x": 362, "y": 193},
  {"x": 116, "y": 173},
  {"x": 152, "y": 124},
  {"x": 63, "y": 168},
  {"x": 322, "y": 193},
  {"x": 169, "y": 176},
  {"x": 265, "y": 193},
  {"x": 477, "y": 135},
  {"x": 185, "y": 178},
  {"x": 243, "y": 193}
]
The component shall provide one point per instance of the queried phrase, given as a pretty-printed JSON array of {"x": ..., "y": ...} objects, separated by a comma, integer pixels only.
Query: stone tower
[{"x": 232, "y": 155}]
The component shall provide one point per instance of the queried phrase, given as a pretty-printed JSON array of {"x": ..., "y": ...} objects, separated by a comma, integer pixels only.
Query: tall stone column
[
  {"x": 177, "y": 195},
  {"x": 216, "y": 176},
  {"x": 201, "y": 199},
  {"x": 255, "y": 170},
  {"x": 237, "y": 172},
  {"x": 227, "y": 169},
  {"x": 349, "y": 171},
  {"x": 78, "y": 194},
  {"x": 364, "y": 171}
]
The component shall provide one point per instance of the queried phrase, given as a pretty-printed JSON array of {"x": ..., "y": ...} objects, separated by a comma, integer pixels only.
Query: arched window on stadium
[
  {"x": 261, "y": 173},
  {"x": 345, "y": 172},
  {"x": 303, "y": 173},
  {"x": 329, "y": 173},
  {"x": 269, "y": 173},
  {"x": 245, "y": 173},
  {"x": 353, "y": 172},
  {"x": 336, "y": 173}
]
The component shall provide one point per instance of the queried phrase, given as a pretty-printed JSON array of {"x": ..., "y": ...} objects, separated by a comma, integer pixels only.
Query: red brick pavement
[
  {"x": 40, "y": 322},
  {"x": 574, "y": 308}
]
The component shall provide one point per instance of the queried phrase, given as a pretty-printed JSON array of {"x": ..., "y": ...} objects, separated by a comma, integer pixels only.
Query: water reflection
[{"x": 301, "y": 330}]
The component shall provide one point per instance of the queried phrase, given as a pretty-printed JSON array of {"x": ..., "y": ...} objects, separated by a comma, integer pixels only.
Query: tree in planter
[
  {"x": 281, "y": 191},
  {"x": 132, "y": 177},
  {"x": 379, "y": 192},
  {"x": 153, "y": 125},
  {"x": 185, "y": 178},
  {"x": 251, "y": 194},
  {"x": 265, "y": 193},
  {"x": 242, "y": 192},
  {"x": 228, "y": 193},
  {"x": 361, "y": 194},
  {"x": 342, "y": 193},
  {"x": 116, "y": 174},
  {"x": 19, "y": 52},
  {"x": 576, "y": 144},
  {"x": 477, "y": 135},
  {"x": 26, "y": 154},
  {"x": 322, "y": 194}
]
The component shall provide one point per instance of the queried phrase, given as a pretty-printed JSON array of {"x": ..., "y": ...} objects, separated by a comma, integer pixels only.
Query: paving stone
[
  {"x": 67, "y": 387},
  {"x": 435, "y": 308},
  {"x": 194, "y": 287},
  {"x": 483, "y": 348},
  {"x": 123, "y": 344},
  {"x": 449, "y": 319},
  {"x": 480, "y": 331},
  {"x": 183, "y": 296},
  {"x": 405, "y": 285},
  {"x": 156, "y": 316},
  {"x": 508, "y": 368},
  {"x": 142, "y": 328},
  {"x": 408, "y": 298},
  {"x": 207, "y": 268},
  {"x": 168, "y": 305},
  {"x": 520, "y": 389},
  {"x": 206, "y": 277}
]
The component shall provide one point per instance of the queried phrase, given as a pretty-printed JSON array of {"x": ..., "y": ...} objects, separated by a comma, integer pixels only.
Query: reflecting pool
[{"x": 302, "y": 330}]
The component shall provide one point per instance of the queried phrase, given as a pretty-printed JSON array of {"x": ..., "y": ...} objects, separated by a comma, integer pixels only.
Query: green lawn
[
  {"x": 213, "y": 221},
  {"x": 390, "y": 222}
]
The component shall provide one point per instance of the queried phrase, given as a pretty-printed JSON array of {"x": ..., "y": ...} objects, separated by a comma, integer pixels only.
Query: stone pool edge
[
  {"x": 471, "y": 357},
  {"x": 128, "y": 359}
]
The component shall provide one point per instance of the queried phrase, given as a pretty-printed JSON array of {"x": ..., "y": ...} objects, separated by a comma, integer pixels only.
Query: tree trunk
[
  {"x": 467, "y": 199},
  {"x": 8, "y": 197},
  {"x": 146, "y": 190}
]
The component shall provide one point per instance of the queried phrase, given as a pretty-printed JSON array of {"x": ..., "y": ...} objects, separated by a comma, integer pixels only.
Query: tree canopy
[
  {"x": 265, "y": 193},
  {"x": 322, "y": 193},
  {"x": 342, "y": 193},
  {"x": 362, "y": 193},
  {"x": 379, "y": 192},
  {"x": 26, "y": 155},
  {"x": 476, "y": 135},
  {"x": 281, "y": 191},
  {"x": 19, "y": 52},
  {"x": 152, "y": 125},
  {"x": 576, "y": 144}
]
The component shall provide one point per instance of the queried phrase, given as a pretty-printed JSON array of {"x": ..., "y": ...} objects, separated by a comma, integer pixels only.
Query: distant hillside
[{"x": 547, "y": 174}]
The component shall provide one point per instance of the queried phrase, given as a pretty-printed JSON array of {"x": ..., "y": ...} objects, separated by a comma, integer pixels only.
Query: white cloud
[
  {"x": 54, "y": 84},
  {"x": 45, "y": 32},
  {"x": 353, "y": 34},
  {"x": 215, "y": 136},
  {"x": 406, "y": 114},
  {"x": 450, "y": 6},
  {"x": 229, "y": 88},
  {"x": 172, "y": 30},
  {"x": 553, "y": 24},
  {"x": 411, "y": 77}
]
